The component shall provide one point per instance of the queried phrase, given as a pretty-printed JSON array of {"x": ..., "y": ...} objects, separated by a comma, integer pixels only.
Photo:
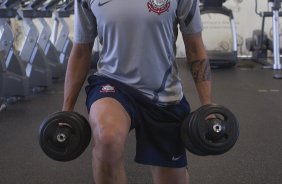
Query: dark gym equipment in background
[
  {"x": 31, "y": 68},
  {"x": 60, "y": 37},
  {"x": 14, "y": 82},
  {"x": 37, "y": 67},
  {"x": 51, "y": 53},
  {"x": 260, "y": 44},
  {"x": 221, "y": 59}
]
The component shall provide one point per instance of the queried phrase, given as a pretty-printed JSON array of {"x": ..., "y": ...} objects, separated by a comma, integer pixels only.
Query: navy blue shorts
[{"x": 157, "y": 128}]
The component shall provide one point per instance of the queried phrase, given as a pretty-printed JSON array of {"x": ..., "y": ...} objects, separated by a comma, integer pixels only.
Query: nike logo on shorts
[
  {"x": 176, "y": 158},
  {"x": 102, "y": 4}
]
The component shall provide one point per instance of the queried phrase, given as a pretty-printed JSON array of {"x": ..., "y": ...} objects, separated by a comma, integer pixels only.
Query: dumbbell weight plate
[
  {"x": 86, "y": 130},
  {"x": 202, "y": 128},
  {"x": 186, "y": 138},
  {"x": 64, "y": 136},
  {"x": 203, "y": 136}
]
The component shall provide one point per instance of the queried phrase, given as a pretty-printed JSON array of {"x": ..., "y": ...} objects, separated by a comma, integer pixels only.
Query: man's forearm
[
  {"x": 199, "y": 65},
  {"x": 76, "y": 74},
  {"x": 201, "y": 74}
]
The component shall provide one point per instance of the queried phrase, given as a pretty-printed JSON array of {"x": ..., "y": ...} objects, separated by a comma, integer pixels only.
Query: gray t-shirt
[{"x": 138, "y": 39}]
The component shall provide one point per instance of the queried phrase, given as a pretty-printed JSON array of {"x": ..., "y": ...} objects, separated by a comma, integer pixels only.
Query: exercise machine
[
  {"x": 259, "y": 44},
  {"x": 60, "y": 37},
  {"x": 14, "y": 83},
  {"x": 276, "y": 41},
  {"x": 221, "y": 59},
  {"x": 37, "y": 67},
  {"x": 53, "y": 56}
]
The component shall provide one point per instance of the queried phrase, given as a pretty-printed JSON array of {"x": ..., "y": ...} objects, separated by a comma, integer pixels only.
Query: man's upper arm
[
  {"x": 85, "y": 25},
  {"x": 82, "y": 49},
  {"x": 189, "y": 17}
]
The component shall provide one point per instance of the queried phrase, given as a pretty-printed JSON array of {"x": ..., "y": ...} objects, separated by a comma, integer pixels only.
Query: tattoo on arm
[{"x": 200, "y": 70}]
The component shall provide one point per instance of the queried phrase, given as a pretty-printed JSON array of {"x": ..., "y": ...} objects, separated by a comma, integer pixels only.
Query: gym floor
[{"x": 247, "y": 89}]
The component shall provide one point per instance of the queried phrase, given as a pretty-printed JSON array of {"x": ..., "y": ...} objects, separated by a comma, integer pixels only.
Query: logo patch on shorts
[
  {"x": 107, "y": 89},
  {"x": 158, "y": 6}
]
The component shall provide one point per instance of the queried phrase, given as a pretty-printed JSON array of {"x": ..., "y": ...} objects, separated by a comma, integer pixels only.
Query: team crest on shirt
[
  {"x": 158, "y": 6},
  {"x": 107, "y": 89}
]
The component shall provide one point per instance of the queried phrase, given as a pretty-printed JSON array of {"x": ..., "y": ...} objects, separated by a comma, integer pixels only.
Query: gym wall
[{"x": 217, "y": 33}]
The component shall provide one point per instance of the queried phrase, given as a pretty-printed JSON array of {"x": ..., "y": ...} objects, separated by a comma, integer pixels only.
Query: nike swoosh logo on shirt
[{"x": 102, "y": 4}]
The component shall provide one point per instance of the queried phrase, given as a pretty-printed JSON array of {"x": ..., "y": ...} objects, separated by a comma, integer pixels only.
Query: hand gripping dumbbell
[
  {"x": 63, "y": 136},
  {"x": 210, "y": 130}
]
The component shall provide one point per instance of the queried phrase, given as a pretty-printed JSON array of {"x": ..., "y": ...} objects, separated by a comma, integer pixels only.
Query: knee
[
  {"x": 109, "y": 140},
  {"x": 108, "y": 146},
  {"x": 110, "y": 125}
]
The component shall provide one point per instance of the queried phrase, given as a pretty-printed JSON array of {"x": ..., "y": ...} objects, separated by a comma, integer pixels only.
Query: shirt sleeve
[
  {"x": 188, "y": 13},
  {"x": 85, "y": 26}
]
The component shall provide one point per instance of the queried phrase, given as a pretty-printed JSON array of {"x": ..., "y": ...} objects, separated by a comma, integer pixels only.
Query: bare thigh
[
  {"x": 110, "y": 124},
  {"x": 166, "y": 175}
]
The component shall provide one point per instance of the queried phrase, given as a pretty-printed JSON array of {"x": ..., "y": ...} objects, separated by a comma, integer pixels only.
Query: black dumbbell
[
  {"x": 63, "y": 136},
  {"x": 203, "y": 135}
]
